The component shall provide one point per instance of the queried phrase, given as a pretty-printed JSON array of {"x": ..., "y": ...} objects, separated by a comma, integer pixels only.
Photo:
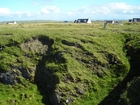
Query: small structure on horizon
[
  {"x": 109, "y": 21},
  {"x": 134, "y": 20},
  {"x": 12, "y": 22},
  {"x": 65, "y": 21},
  {"x": 82, "y": 21}
]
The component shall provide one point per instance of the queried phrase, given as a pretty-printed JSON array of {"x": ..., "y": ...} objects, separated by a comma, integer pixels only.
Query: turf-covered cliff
[
  {"x": 131, "y": 94},
  {"x": 74, "y": 64}
]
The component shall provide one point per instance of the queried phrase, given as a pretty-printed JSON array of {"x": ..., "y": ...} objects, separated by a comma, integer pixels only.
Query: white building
[
  {"x": 12, "y": 22},
  {"x": 82, "y": 21}
]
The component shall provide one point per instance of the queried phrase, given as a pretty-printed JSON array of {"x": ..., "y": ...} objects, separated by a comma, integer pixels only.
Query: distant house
[
  {"x": 82, "y": 21},
  {"x": 12, "y": 22},
  {"x": 65, "y": 21},
  {"x": 136, "y": 19},
  {"x": 110, "y": 21}
]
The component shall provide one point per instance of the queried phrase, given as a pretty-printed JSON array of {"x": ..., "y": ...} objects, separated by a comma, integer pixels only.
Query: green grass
[
  {"x": 20, "y": 94},
  {"x": 83, "y": 62}
]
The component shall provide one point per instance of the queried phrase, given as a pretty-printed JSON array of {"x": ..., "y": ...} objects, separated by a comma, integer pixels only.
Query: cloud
[
  {"x": 106, "y": 11},
  {"x": 21, "y": 14},
  {"x": 4, "y": 11},
  {"x": 122, "y": 8},
  {"x": 18, "y": 14},
  {"x": 111, "y": 9},
  {"x": 53, "y": 12},
  {"x": 82, "y": 10},
  {"x": 7, "y": 13},
  {"x": 50, "y": 10},
  {"x": 27, "y": 13}
]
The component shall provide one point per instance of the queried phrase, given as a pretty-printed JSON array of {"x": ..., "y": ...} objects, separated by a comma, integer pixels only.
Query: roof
[{"x": 86, "y": 20}]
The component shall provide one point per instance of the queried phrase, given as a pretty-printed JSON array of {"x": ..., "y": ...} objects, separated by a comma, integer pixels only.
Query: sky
[{"x": 62, "y": 10}]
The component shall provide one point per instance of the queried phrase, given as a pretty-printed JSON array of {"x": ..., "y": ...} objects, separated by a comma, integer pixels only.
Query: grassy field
[{"x": 65, "y": 63}]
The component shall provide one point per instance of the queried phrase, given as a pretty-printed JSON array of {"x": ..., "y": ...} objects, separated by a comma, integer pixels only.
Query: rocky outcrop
[
  {"x": 38, "y": 46},
  {"x": 15, "y": 74}
]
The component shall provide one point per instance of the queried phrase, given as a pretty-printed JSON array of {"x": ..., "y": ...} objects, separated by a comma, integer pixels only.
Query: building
[
  {"x": 12, "y": 22},
  {"x": 82, "y": 21},
  {"x": 65, "y": 21},
  {"x": 134, "y": 20},
  {"x": 110, "y": 21}
]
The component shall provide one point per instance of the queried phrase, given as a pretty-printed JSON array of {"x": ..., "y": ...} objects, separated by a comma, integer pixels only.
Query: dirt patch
[{"x": 34, "y": 45}]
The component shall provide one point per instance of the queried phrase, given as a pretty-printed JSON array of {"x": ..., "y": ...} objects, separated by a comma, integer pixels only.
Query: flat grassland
[{"x": 65, "y": 63}]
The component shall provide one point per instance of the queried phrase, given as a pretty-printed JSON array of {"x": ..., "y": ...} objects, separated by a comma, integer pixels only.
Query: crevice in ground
[
  {"x": 46, "y": 80},
  {"x": 133, "y": 55},
  {"x": 45, "y": 77}
]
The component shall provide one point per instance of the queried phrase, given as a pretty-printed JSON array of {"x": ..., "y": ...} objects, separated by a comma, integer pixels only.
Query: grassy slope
[
  {"x": 131, "y": 95},
  {"x": 86, "y": 49}
]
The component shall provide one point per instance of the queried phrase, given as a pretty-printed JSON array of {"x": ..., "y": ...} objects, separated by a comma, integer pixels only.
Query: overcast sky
[{"x": 14, "y": 10}]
